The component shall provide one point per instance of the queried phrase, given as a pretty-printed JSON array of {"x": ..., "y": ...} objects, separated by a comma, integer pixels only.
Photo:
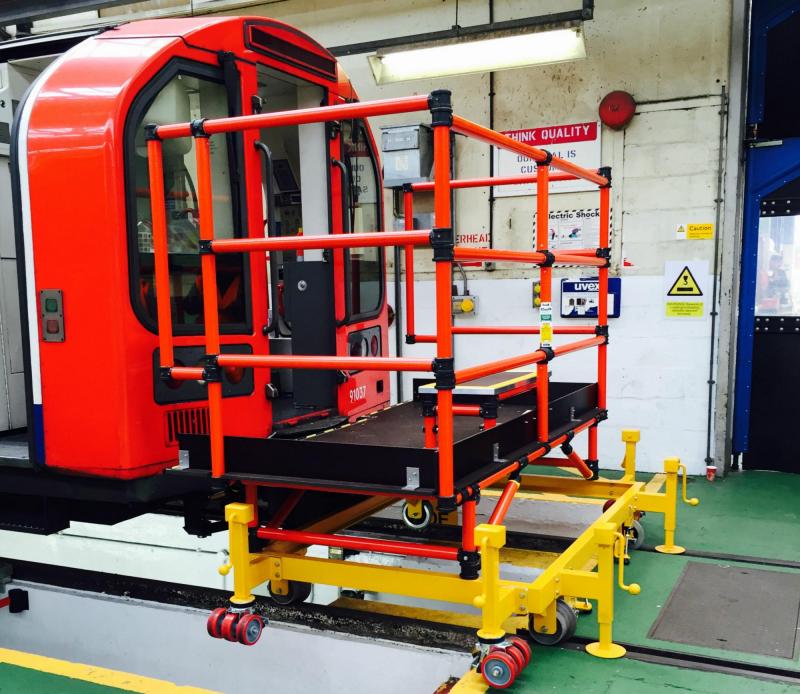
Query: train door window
[
  {"x": 183, "y": 98},
  {"x": 365, "y": 265},
  {"x": 299, "y": 184}
]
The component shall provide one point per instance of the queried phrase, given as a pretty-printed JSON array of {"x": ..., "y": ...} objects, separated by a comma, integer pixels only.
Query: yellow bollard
[
  {"x": 490, "y": 538},
  {"x": 631, "y": 438},
  {"x": 239, "y": 517},
  {"x": 671, "y": 467},
  {"x": 604, "y": 647}
]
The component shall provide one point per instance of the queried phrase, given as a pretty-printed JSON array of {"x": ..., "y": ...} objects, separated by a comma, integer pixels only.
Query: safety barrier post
[
  {"x": 630, "y": 437},
  {"x": 546, "y": 295},
  {"x": 602, "y": 300},
  {"x": 239, "y": 517},
  {"x": 442, "y": 241},
  {"x": 592, "y": 460},
  {"x": 408, "y": 225},
  {"x": 208, "y": 266},
  {"x": 158, "y": 216},
  {"x": 490, "y": 539},
  {"x": 604, "y": 647},
  {"x": 468, "y": 556}
]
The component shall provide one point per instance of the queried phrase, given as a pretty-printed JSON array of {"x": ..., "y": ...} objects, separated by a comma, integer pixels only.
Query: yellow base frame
[{"x": 584, "y": 571}]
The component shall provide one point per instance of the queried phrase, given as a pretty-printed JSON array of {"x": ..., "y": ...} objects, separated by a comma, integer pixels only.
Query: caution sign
[
  {"x": 684, "y": 295},
  {"x": 694, "y": 231},
  {"x": 685, "y": 284}
]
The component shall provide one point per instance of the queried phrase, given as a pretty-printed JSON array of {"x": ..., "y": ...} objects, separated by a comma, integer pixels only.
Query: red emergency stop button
[{"x": 52, "y": 327}]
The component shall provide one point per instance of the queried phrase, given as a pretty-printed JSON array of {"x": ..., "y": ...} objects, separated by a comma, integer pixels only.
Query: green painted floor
[
  {"x": 20, "y": 680},
  {"x": 749, "y": 514},
  {"x": 559, "y": 670},
  {"x": 755, "y": 514}
]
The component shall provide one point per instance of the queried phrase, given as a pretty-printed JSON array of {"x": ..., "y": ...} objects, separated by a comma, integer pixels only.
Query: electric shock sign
[{"x": 575, "y": 142}]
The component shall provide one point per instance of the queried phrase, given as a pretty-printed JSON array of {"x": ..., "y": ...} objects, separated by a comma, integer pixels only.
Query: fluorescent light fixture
[{"x": 471, "y": 54}]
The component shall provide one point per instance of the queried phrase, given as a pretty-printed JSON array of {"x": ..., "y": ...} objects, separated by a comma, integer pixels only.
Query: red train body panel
[{"x": 95, "y": 391}]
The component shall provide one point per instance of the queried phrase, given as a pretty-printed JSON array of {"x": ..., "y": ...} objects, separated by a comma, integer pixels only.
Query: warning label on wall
[
  {"x": 694, "y": 232},
  {"x": 684, "y": 283}
]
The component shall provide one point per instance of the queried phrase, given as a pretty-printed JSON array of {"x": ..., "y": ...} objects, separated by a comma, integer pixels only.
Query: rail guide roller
[{"x": 199, "y": 214}]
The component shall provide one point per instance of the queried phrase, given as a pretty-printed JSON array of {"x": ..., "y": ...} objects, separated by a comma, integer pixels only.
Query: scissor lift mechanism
[{"x": 523, "y": 422}]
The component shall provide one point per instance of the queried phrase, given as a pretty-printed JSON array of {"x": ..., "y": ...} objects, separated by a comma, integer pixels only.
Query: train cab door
[
  {"x": 295, "y": 184},
  {"x": 362, "y": 313}
]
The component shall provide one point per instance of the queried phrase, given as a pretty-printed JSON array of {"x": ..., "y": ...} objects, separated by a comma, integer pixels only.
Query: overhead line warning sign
[{"x": 685, "y": 284}]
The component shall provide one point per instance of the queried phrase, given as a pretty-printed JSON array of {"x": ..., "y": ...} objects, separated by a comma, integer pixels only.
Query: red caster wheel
[
  {"x": 608, "y": 505},
  {"x": 499, "y": 669},
  {"x": 214, "y": 623},
  {"x": 228, "y": 627},
  {"x": 516, "y": 655},
  {"x": 524, "y": 646},
  {"x": 249, "y": 629}
]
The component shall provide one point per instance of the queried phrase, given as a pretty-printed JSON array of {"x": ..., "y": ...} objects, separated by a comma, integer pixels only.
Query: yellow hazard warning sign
[{"x": 685, "y": 284}]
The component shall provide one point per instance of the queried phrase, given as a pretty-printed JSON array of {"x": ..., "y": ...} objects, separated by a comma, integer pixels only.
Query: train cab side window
[
  {"x": 365, "y": 265},
  {"x": 182, "y": 99}
]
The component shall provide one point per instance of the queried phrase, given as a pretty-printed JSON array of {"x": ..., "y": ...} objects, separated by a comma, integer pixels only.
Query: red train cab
[{"x": 97, "y": 402}]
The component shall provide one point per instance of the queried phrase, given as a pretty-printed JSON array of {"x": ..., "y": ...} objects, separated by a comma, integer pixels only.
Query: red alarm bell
[{"x": 616, "y": 109}]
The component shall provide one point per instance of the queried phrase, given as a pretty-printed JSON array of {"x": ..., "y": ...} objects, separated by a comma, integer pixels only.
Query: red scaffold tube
[
  {"x": 297, "y": 361},
  {"x": 319, "y": 114},
  {"x": 504, "y": 502},
  {"x": 410, "y": 549},
  {"x": 293, "y": 243}
]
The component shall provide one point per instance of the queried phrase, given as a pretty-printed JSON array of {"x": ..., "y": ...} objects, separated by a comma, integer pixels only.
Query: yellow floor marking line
[
  {"x": 470, "y": 683},
  {"x": 655, "y": 483},
  {"x": 96, "y": 675}
]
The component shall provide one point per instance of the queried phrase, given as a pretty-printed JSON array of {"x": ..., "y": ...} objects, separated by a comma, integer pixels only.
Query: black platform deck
[{"x": 384, "y": 452}]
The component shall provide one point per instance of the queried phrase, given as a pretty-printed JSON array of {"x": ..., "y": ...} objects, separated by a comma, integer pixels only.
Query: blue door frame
[{"x": 767, "y": 168}]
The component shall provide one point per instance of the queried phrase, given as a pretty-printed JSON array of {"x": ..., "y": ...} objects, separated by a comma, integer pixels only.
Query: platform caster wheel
[
  {"x": 523, "y": 646},
  {"x": 228, "y": 626},
  {"x": 636, "y": 535},
  {"x": 418, "y": 523},
  {"x": 499, "y": 669},
  {"x": 214, "y": 623},
  {"x": 298, "y": 592},
  {"x": 249, "y": 628},
  {"x": 608, "y": 504},
  {"x": 566, "y": 623},
  {"x": 516, "y": 655}
]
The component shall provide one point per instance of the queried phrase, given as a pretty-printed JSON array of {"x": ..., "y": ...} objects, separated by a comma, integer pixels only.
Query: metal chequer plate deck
[{"x": 384, "y": 453}]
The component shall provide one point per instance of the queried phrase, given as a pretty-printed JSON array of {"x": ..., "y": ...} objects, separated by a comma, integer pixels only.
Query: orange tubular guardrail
[{"x": 441, "y": 238}]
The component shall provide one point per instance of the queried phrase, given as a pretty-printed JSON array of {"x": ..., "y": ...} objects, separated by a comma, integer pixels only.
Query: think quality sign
[{"x": 576, "y": 142}]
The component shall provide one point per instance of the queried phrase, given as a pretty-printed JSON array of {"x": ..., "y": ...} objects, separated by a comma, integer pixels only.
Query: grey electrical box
[{"x": 407, "y": 154}]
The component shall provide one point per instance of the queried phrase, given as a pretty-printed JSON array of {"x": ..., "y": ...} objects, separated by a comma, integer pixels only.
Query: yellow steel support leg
[
  {"x": 490, "y": 538},
  {"x": 239, "y": 517},
  {"x": 671, "y": 467},
  {"x": 631, "y": 438},
  {"x": 604, "y": 647}
]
